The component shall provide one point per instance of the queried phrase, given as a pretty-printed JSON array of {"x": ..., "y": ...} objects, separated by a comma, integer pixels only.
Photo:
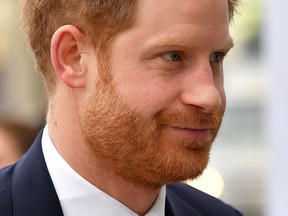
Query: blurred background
[{"x": 242, "y": 168}]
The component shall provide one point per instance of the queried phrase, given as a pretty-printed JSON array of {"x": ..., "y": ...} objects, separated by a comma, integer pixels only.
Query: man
[{"x": 136, "y": 98}]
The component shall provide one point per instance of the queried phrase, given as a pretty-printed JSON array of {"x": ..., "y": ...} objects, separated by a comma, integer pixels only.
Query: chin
[{"x": 171, "y": 168}]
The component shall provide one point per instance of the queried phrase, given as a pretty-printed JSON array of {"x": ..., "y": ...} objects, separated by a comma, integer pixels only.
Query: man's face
[{"x": 155, "y": 122}]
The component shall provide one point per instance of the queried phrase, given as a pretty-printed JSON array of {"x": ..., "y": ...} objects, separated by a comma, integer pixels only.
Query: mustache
[{"x": 192, "y": 119}]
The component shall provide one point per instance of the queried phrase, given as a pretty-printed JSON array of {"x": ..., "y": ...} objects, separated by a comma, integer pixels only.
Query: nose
[{"x": 203, "y": 90}]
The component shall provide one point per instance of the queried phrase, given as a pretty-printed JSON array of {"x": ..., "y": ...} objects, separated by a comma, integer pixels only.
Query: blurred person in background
[
  {"x": 15, "y": 139},
  {"x": 136, "y": 99}
]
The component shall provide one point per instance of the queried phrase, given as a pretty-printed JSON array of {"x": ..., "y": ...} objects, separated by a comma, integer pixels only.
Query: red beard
[{"x": 141, "y": 148}]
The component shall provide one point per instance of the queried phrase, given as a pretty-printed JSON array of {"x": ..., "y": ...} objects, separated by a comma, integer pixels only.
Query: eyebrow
[
  {"x": 169, "y": 42},
  {"x": 226, "y": 45}
]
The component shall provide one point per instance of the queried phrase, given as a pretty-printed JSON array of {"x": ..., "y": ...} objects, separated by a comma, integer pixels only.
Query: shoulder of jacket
[
  {"x": 204, "y": 203},
  {"x": 6, "y": 175},
  {"x": 6, "y": 199}
]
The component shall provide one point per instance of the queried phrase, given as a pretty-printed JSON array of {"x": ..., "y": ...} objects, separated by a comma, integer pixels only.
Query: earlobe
[{"x": 67, "y": 49}]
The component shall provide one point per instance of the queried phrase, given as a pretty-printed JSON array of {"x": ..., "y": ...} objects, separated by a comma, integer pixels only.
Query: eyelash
[
  {"x": 222, "y": 55},
  {"x": 216, "y": 58},
  {"x": 173, "y": 58}
]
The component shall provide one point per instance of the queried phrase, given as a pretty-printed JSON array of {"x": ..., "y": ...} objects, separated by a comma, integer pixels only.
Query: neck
[
  {"x": 64, "y": 130},
  {"x": 138, "y": 198}
]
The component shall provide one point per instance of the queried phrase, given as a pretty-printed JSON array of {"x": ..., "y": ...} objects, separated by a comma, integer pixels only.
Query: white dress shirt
[{"x": 78, "y": 196}]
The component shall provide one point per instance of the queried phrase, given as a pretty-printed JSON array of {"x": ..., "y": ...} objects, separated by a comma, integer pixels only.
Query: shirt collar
[{"x": 77, "y": 196}]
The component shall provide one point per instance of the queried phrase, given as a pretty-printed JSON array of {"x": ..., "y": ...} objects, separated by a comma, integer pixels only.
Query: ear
[{"x": 67, "y": 51}]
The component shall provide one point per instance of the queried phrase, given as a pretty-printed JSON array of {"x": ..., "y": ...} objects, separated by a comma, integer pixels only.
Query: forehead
[
  {"x": 196, "y": 23},
  {"x": 198, "y": 12}
]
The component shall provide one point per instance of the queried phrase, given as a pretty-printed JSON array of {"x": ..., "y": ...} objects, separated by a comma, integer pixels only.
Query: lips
[{"x": 187, "y": 132}]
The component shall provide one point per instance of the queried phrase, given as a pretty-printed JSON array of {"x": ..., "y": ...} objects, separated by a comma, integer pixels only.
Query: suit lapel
[
  {"x": 168, "y": 208},
  {"x": 177, "y": 206},
  {"x": 32, "y": 187}
]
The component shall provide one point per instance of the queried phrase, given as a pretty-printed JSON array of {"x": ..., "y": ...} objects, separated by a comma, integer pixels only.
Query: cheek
[
  {"x": 150, "y": 96},
  {"x": 143, "y": 89}
]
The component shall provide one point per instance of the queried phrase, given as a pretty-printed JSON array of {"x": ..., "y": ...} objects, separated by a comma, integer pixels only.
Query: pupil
[
  {"x": 175, "y": 56},
  {"x": 217, "y": 57}
]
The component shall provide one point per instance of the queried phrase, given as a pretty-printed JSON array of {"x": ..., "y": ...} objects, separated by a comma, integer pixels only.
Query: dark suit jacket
[{"x": 26, "y": 189}]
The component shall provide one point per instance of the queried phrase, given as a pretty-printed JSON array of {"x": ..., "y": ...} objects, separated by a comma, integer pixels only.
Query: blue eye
[
  {"x": 172, "y": 56},
  {"x": 216, "y": 57}
]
